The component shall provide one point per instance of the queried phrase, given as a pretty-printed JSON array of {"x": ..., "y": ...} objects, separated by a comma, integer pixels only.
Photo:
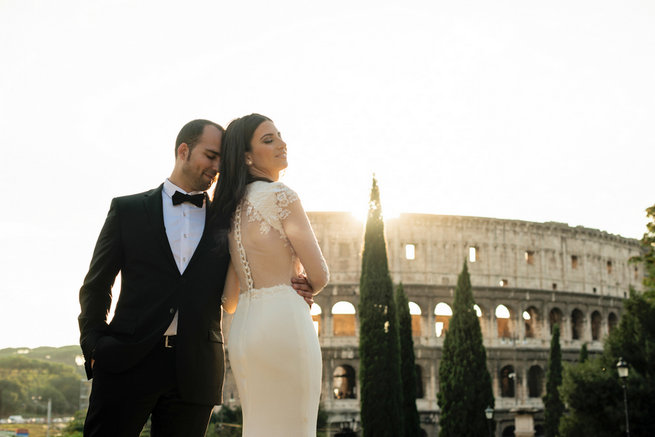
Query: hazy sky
[{"x": 539, "y": 111}]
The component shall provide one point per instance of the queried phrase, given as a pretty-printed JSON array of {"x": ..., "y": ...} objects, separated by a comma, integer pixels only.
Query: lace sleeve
[{"x": 301, "y": 237}]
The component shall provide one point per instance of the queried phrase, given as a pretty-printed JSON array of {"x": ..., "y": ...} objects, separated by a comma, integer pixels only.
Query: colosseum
[{"x": 526, "y": 277}]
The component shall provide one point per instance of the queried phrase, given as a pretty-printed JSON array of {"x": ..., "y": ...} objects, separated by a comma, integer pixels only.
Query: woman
[{"x": 273, "y": 347}]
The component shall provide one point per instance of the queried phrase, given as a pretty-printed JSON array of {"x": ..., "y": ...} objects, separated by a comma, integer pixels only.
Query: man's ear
[{"x": 183, "y": 151}]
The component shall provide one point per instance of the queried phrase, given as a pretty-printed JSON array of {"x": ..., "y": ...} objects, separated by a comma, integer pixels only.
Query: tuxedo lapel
[
  {"x": 155, "y": 211},
  {"x": 204, "y": 240}
]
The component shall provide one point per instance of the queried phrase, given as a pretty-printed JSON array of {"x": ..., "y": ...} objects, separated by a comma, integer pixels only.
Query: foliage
[
  {"x": 227, "y": 422},
  {"x": 553, "y": 405},
  {"x": 64, "y": 355},
  {"x": 584, "y": 353},
  {"x": 592, "y": 389},
  {"x": 379, "y": 345},
  {"x": 407, "y": 365},
  {"x": 26, "y": 385},
  {"x": 464, "y": 380},
  {"x": 647, "y": 259},
  {"x": 322, "y": 418},
  {"x": 75, "y": 426}
]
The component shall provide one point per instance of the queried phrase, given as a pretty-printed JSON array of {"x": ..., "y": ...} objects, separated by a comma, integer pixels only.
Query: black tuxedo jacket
[{"x": 133, "y": 242}]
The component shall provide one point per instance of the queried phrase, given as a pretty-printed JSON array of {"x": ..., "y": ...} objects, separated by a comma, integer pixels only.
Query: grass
[{"x": 35, "y": 430}]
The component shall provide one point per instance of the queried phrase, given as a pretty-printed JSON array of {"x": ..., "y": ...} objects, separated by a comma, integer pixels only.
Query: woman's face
[{"x": 268, "y": 155}]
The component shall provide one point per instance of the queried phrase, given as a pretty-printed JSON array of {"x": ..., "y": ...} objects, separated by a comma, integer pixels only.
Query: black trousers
[{"x": 120, "y": 403}]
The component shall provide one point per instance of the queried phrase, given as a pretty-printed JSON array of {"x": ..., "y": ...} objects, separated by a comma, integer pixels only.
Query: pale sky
[{"x": 539, "y": 111}]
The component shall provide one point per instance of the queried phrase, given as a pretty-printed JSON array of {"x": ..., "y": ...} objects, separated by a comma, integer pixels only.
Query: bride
[{"x": 273, "y": 347}]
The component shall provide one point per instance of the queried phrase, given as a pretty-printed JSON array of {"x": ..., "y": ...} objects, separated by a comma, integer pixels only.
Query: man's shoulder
[{"x": 131, "y": 198}]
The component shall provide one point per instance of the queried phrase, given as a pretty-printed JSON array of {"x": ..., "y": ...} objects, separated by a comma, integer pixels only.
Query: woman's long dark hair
[{"x": 234, "y": 174}]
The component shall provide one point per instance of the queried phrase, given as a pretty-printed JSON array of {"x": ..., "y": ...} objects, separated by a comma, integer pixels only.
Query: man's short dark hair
[{"x": 192, "y": 131}]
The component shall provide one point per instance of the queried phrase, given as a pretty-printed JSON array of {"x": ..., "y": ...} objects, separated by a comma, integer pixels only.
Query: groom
[{"x": 162, "y": 353}]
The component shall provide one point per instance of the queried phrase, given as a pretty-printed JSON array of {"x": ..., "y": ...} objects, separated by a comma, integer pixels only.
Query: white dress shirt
[{"x": 184, "y": 225}]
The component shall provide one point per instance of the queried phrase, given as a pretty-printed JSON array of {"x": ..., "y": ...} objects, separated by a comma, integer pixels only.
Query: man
[{"x": 162, "y": 354}]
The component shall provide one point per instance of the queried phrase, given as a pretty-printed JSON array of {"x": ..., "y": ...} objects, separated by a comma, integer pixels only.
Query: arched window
[
  {"x": 315, "y": 312},
  {"x": 419, "y": 382},
  {"x": 531, "y": 321},
  {"x": 503, "y": 320},
  {"x": 612, "y": 321},
  {"x": 343, "y": 382},
  {"x": 478, "y": 311},
  {"x": 507, "y": 377},
  {"x": 577, "y": 324},
  {"x": 415, "y": 312},
  {"x": 535, "y": 381},
  {"x": 555, "y": 317},
  {"x": 343, "y": 319},
  {"x": 596, "y": 320},
  {"x": 442, "y": 315}
]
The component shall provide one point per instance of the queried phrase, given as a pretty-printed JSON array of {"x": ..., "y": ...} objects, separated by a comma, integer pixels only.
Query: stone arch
[
  {"x": 596, "y": 322},
  {"x": 508, "y": 431},
  {"x": 343, "y": 319},
  {"x": 415, "y": 313},
  {"x": 504, "y": 321},
  {"x": 577, "y": 324},
  {"x": 535, "y": 381},
  {"x": 612, "y": 321},
  {"x": 481, "y": 313},
  {"x": 344, "y": 382},
  {"x": 531, "y": 321},
  {"x": 555, "y": 317},
  {"x": 507, "y": 382},
  {"x": 442, "y": 315},
  {"x": 315, "y": 312}
]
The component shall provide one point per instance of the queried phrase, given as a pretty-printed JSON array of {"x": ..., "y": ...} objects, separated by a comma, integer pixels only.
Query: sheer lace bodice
[{"x": 272, "y": 241}]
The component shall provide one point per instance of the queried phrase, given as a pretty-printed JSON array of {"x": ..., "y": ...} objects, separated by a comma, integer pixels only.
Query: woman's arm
[{"x": 301, "y": 236}]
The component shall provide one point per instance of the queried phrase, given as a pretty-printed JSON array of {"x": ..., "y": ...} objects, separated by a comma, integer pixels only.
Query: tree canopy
[
  {"x": 379, "y": 346},
  {"x": 464, "y": 381}
]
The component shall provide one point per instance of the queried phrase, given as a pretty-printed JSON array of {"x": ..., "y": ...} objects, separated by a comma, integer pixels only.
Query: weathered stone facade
[{"x": 525, "y": 276}]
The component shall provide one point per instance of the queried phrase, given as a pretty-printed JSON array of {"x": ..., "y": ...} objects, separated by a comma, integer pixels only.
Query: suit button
[{"x": 172, "y": 310}]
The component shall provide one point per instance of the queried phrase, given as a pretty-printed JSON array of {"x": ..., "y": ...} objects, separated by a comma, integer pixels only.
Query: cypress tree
[
  {"x": 464, "y": 381},
  {"x": 407, "y": 365},
  {"x": 553, "y": 405},
  {"x": 379, "y": 370}
]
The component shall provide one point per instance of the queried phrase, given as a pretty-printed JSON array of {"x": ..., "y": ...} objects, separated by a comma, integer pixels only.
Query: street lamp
[
  {"x": 622, "y": 368},
  {"x": 489, "y": 412},
  {"x": 37, "y": 400}
]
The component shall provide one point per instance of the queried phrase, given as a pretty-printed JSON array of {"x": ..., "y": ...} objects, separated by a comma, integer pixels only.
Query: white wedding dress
[{"x": 273, "y": 347}]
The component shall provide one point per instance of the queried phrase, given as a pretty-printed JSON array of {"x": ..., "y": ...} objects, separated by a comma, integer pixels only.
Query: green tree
[
  {"x": 27, "y": 379},
  {"x": 407, "y": 365},
  {"x": 464, "y": 381},
  {"x": 379, "y": 373},
  {"x": 593, "y": 390},
  {"x": 75, "y": 427},
  {"x": 10, "y": 394},
  {"x": 647, "y": 258},
  {"x": 584, "y": 353},
  {"x": 227, "y": 422},
  {"x": 553, "y": 405}
]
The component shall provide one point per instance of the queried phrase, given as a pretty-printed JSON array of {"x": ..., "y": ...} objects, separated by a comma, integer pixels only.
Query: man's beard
[{"x": 202, "y": 184}]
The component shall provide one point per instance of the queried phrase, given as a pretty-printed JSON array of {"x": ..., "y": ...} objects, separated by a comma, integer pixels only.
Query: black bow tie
[{"x": 196, "y": 199}]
